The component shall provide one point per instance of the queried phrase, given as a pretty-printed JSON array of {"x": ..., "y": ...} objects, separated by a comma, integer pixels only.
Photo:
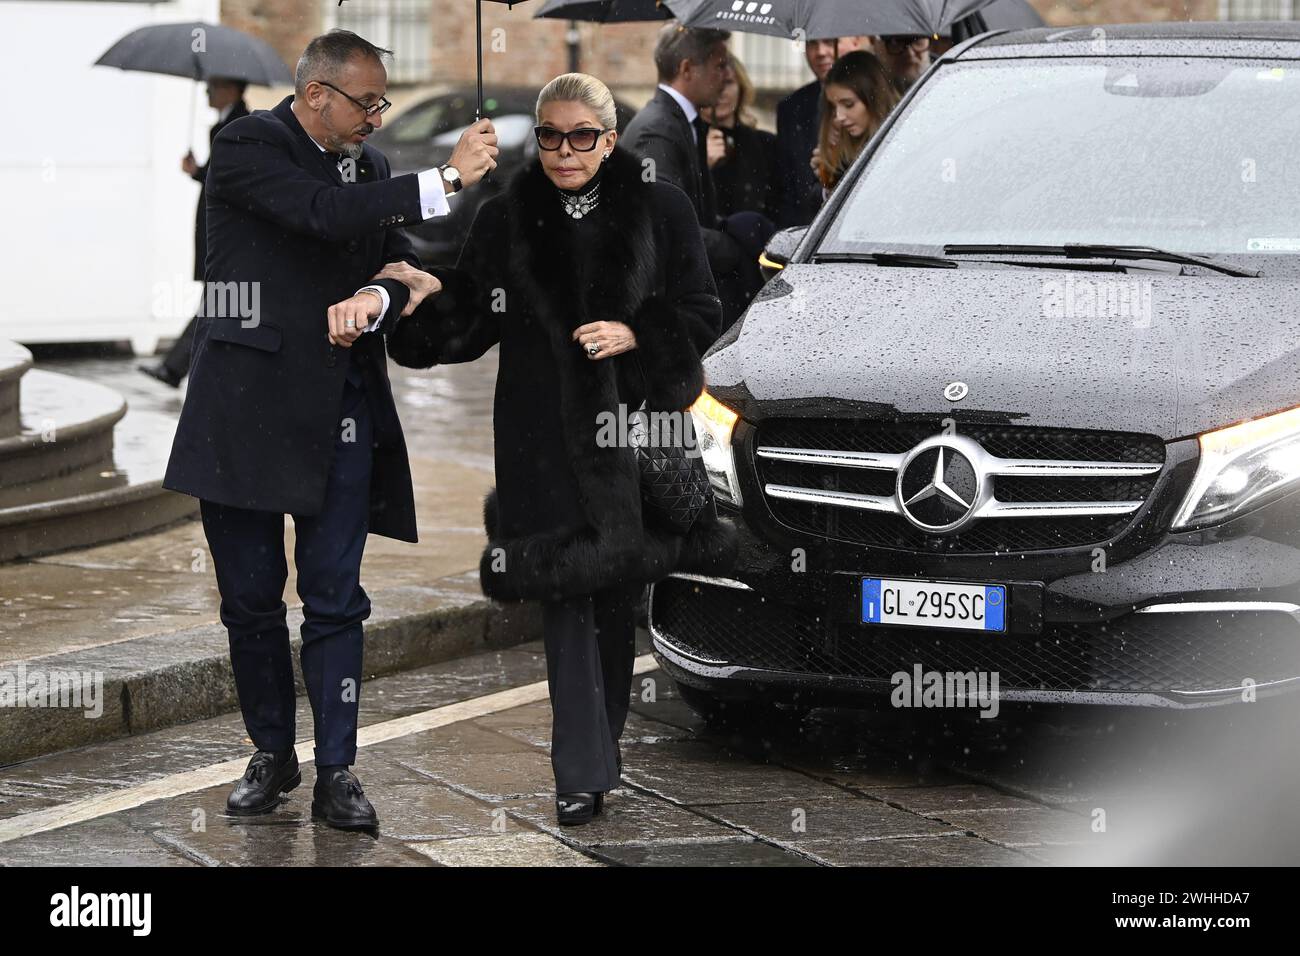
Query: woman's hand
[
  {"x": 614, "y": 338},
  {"x": 816, "y": 161},
  {"x": 421, "y": 284},
  {"x": 349, "y": 318},
  {"x": 715, "y": 147}
]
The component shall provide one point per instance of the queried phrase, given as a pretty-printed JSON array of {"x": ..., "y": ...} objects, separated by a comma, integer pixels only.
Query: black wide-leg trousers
[{"x": 590, "y": 650}]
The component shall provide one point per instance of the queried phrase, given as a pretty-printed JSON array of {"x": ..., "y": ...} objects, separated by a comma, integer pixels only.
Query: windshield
[{"x": 1183, "y": 154}]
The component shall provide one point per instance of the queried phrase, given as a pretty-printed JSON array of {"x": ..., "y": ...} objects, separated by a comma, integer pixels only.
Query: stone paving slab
[
  {"x": 945, "y": 850},
  {"x": 792, "y": 822}
]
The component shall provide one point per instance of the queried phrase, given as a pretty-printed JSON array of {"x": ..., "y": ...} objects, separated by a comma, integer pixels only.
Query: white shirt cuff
[
  {"x": 383, "y": 309},
  {"x": 433, "y": 195}
]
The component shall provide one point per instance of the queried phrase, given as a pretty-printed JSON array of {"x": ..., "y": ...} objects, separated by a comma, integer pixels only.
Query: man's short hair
[
  {"x": 677, "y": 43},
  {"x": 328, "y": 53}
]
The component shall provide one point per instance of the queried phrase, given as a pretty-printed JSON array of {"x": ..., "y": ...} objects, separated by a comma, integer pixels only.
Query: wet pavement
[{"x": 841, "y": 787}]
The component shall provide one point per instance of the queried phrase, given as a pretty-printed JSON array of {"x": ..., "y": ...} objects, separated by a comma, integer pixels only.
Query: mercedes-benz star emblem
[
  {"x": 955, "y": 391},
  {"x": 938, "y": 487}
]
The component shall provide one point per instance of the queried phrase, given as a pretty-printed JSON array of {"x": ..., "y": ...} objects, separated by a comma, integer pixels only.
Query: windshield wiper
[
  {"x": 905, "y": 259},
  {"x": 1096, "y": 250}
]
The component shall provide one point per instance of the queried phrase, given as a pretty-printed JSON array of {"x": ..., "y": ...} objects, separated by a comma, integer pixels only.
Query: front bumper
[{"x": 1195, "y": 621}]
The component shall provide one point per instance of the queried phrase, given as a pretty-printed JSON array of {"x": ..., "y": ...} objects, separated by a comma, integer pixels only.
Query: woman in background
[
  {"x": 742, "y": 159},
  {"x": 859, "y": 95}
]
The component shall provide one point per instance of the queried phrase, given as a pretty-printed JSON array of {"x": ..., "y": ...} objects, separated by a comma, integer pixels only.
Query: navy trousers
[{"x": 248, "y": 554}]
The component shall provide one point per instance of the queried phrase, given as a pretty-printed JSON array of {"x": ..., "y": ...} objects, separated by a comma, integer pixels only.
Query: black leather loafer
[
  {"x": 575, "y": 809},
  {"x": 258, "y": 791},
  {"x": 339, "y": 800}
]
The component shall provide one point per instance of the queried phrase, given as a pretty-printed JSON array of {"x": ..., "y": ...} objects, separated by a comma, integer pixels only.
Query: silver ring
[
  {"x": 349, "y": 323},
  {"x": 593, "y": 348}
]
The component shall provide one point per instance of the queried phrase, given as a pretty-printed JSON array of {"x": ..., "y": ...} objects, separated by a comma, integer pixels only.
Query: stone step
[
  {"x": 92, "y": 497},
  {"x": 148, "y": 683},
  {"x": 14, "y": 362}
]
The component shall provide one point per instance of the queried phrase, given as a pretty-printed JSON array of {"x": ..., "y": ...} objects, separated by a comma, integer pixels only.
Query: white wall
[{"x": 96, "y": 218}]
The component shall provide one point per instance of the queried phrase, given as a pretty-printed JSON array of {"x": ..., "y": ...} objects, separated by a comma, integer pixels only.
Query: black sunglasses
[
  {"x": 583, "y": 140},
  {"x": 897, "y": 44},
  {"x": 381, "y": 107}
]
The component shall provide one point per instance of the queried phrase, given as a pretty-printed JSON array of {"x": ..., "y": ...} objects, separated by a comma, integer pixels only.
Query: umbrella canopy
[
  {"x": 998, "y": 15},
  {"x": 199, "y": 51},
  {"x": 605, "y": 11},
  {"x": 824, "y": 19}
]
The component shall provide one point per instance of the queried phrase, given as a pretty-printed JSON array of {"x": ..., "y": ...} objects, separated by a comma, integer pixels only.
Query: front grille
[
  {"x": 1140, "y": 653},
  {"x": 1069, "y": 510}
]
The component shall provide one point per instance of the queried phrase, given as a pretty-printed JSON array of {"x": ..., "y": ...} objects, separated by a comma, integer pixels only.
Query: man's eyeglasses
[
  {"x": 381, "y": 107},
  {"x": 583, "y": 140},
  {"x": 896, "y": 45}
]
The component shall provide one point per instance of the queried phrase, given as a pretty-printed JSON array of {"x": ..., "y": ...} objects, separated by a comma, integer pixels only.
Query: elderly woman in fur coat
[{"x": 596, "y": 285}]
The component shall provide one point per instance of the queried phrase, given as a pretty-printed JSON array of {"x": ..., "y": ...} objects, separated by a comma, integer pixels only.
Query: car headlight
[
  {"x": 713, "y": 424},
  {"x": 1242, "y": 467}
]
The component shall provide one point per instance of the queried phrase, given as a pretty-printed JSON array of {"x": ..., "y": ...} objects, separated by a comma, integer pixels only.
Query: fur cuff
[{"x": 674, "y": 375}]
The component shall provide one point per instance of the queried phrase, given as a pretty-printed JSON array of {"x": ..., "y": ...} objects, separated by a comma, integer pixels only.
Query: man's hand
[
  {"x": 349, "y": 318},
  {"x": 613, "y": 338},
  {"x": 716, "y": 146},
  {"x": 476, "y": 152},
  {"x": 188, "y": 165},
  {"x": 421, "y": 284}
]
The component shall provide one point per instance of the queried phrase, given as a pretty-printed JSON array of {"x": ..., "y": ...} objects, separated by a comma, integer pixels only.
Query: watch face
[{"x": 450, "y": 173}]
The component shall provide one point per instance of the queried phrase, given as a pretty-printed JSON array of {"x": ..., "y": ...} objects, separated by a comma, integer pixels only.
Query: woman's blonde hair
[
  {"x": 744, "y": 94},
  {"x": 864, "y": 74},
  {"x": 581, "y": 88}
]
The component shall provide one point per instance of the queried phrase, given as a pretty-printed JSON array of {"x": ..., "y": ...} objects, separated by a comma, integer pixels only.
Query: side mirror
[{"x": 779, "y": 249}]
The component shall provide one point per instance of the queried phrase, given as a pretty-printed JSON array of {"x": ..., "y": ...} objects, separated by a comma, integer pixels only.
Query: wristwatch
[{"x": 451, "y": 176}]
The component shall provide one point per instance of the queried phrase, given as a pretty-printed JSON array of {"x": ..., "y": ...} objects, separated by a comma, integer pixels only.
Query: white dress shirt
[
  {"x": 687, "y": 107},
  {"x": 433, "y": 202}
]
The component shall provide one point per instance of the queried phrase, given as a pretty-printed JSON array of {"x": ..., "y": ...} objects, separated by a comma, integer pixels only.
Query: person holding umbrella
[
  {"x": 226, "y": 96},
  {"x": 289, "y": 409}
]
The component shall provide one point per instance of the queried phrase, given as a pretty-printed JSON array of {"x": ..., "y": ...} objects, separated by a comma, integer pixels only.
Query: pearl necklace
[{"x": 578, "y": 206}]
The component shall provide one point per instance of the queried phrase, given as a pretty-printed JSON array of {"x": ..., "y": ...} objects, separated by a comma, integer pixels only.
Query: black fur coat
[{"x": 565, "y": 517}]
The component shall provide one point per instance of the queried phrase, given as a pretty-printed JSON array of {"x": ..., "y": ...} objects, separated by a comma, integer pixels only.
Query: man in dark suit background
[
  {"x": 289, "y": 409},
  {"x": 227, "y": 98},
  {"x": 798, "y": 121},
  {"x": 693, "y": 67}
]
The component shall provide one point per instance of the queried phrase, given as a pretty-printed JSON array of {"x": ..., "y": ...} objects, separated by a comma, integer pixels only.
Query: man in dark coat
[
  {"x": 289, "y": 409},
  {"x": 798, "y": 122},
  {"x": 693, "y": 68},
  {"x": 227, "y": 98}
]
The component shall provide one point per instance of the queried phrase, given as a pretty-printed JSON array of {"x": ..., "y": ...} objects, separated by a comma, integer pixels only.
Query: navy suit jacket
[
  {"x": 287, "y": 238},
  {"x": 799, "y": 193}
]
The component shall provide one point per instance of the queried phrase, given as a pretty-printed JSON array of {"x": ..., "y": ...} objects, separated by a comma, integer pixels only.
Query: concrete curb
[{"x": 180, "y": 676}]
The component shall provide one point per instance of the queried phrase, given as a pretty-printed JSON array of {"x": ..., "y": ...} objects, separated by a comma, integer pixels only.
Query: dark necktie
[{"x": 708, "y": 204}]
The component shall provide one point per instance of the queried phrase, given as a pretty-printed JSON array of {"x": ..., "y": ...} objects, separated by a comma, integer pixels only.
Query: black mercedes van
[{"x": 1024, "y": 400}]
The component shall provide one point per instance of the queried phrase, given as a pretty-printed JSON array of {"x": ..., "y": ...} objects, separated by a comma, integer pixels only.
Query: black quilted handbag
[{"x": 675, "y": 487}]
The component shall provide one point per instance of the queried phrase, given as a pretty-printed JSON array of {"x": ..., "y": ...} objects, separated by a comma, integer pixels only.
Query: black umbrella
[
  {"x": 199, "y": 51},
  {"x": 605, "y": 11},
  {"x": 824, "y": 19},
  {"x": 998, "y": 15},
  {"x": 478, "y": 38}
]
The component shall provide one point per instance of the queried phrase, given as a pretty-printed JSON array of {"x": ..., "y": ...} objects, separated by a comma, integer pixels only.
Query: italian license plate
[{"x": 974, "y": 607}]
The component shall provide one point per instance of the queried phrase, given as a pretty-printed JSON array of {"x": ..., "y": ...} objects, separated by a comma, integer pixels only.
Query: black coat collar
[
  {"x": 614, "y": 269},
  {"x": 309, "y": 154}
]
